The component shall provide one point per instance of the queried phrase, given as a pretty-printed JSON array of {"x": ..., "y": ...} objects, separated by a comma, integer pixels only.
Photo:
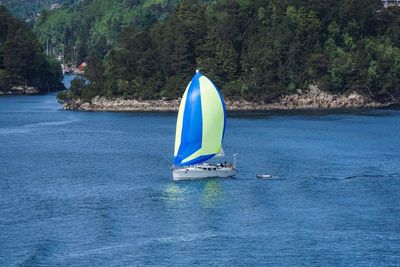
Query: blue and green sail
[{"x": 201, "y": 122}]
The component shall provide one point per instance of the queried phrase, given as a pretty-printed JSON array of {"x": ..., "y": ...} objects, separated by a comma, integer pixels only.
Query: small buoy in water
[{"x": 263, "y": 176}]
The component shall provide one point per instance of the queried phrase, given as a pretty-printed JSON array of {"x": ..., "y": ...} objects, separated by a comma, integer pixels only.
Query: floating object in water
[{"x": 263, "y": 176}]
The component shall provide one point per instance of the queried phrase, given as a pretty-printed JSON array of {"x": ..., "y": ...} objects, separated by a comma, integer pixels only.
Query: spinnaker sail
[{"x": 201, "y": 122}]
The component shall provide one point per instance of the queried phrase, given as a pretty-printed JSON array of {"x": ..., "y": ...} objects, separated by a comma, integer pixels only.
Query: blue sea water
[{"x": 95, "y": 189}]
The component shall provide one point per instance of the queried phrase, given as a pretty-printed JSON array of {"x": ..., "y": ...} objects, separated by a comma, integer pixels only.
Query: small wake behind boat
[{"x": 200, "y": 131}]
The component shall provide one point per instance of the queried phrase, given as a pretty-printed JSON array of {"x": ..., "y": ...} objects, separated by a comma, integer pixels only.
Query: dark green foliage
[
  {"x": 257, "y": 50},
  {"x": 75, "y": 31},
  {"x": 28, "y": 9},
  {"x": 22, "y": 61}
]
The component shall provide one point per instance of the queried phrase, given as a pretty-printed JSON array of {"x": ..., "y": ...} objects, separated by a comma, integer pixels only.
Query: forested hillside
[
  {"x": 28, "y": 9},
  {"x": 22, "y": 61},
  {"x": 96, "y": 24},
  {"x": 254, "y": 49}
]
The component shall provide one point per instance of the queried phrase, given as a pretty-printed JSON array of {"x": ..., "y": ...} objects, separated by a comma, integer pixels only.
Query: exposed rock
[
  {"x": 20, "y": 90},
  {"x": 314, "y": 98}
]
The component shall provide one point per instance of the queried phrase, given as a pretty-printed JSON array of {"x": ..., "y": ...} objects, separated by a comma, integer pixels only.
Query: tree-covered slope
[
  {"x": 22, "y": 61},
  {"x": 28, "y": 9},
  {"x": 256, "y": 50},
  {"x": 94, "y": 25}
]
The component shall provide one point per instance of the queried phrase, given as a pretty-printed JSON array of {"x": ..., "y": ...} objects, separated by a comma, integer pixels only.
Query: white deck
[{"x": 202, "y": 171}]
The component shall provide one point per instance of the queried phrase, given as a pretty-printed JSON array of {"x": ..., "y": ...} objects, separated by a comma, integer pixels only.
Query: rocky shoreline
[
  {"x": 20, "y": 90},
  {"x": 313, "y": 98}
]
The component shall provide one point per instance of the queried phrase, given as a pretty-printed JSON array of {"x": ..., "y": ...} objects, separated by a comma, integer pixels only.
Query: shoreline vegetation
[
  {"x": 314, "y": 98},
  {"x": 264, "y": 52},
  {"x": 25, "y": 68}
]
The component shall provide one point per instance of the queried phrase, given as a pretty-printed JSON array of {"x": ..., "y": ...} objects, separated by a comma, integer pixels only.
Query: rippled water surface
[{"x": 95, "y": 189}]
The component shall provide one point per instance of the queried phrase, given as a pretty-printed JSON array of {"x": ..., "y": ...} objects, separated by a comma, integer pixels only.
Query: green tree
[{"x": 22, "y": 61}]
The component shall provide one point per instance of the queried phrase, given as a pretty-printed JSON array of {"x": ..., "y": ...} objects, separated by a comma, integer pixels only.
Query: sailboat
[{"x": 200, "y": 130}]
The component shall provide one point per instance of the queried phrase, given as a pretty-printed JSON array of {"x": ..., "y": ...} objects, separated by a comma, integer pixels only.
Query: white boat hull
[{"x": 203, "y": 171}]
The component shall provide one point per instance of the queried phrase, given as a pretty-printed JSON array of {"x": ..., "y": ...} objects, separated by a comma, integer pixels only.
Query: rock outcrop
[
  {"x": 313, "y": 98},
  {"x": 20, "y": 90},
  {"x": 118, "y": 104}
]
